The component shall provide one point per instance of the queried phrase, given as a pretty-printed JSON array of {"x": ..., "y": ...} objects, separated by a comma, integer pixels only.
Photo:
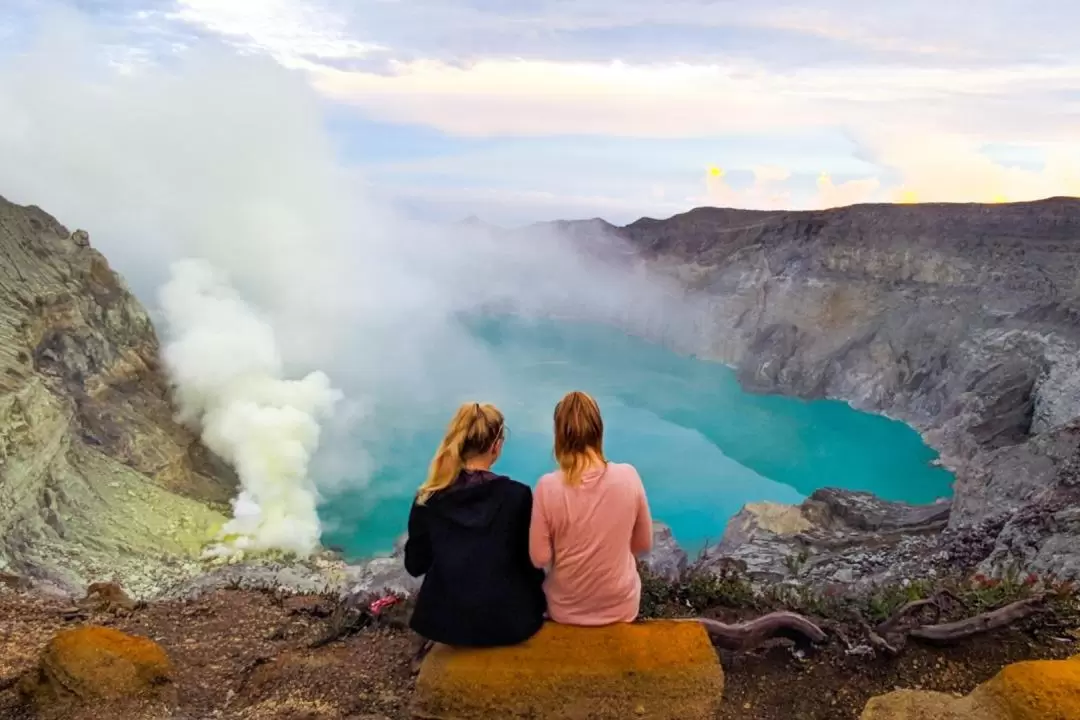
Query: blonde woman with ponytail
[
  {"x": 469, "y": 538},
  {"x": 590, "y": 519}
]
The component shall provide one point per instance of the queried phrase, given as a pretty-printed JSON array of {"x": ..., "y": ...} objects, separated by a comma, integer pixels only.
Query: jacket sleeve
[
  {"x": 524, "y": 537},
  {"x": 642, "y": 537},
  {"x": 418, "y": 545},
  {"x": 539, "y": 532}
]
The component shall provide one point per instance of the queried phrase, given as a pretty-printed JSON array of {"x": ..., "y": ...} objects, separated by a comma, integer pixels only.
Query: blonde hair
[
  {"x": 473, "y": 431},
  {"x": 579, "y": 435}
]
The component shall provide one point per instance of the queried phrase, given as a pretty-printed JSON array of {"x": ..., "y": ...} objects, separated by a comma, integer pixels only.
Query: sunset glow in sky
[{"x": 526, "y": 110}]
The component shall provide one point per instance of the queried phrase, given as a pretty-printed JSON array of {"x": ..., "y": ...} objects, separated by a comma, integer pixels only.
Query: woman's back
[
  {"x": 469, "y": 538},
  {"x": 470, "y": 543},
  {"x": 589, "y": 533}
]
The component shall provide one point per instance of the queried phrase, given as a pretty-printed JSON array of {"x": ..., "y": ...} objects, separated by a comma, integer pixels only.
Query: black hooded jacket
[{"x": 471, "y": 544}]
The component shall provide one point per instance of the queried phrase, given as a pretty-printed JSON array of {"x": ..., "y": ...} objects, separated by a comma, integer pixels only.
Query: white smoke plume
[{"x": 228, "y": 374}]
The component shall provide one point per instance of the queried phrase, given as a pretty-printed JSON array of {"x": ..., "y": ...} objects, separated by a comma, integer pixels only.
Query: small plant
[
  {"x": 985, "y": 593},
  {"x": 883, "y": 603},
  {"x": 919, "y": 589},
  {"x": 698, "y": 590},
  {"x": 796, "y": 562},
  {"x": 658, "y": 595},
  {"x": 778, "y": 596},
  {"x": 704, "y": 589}
]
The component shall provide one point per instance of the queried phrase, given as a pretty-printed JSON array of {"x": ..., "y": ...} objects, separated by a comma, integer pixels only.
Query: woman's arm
[
  {"x": 642, "y": 536},
  {"x": 418, "y": 545},
  {"x": 539, "y": 532}
]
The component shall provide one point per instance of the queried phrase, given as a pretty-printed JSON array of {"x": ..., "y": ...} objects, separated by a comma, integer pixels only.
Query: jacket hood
[{"x": 472, "y": 501}]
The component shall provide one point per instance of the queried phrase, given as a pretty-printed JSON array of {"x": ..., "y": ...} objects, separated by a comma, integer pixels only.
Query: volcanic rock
[{"x": 97, "y": 479}]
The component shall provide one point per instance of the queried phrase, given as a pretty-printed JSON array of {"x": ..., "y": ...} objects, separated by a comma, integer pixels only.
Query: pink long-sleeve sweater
[{"x": 586, "y": 537}]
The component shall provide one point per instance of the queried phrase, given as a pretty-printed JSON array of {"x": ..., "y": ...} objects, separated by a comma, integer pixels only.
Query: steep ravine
[
  {"x": 97, "y": 481},
  {"x": 962, "y": 320}
]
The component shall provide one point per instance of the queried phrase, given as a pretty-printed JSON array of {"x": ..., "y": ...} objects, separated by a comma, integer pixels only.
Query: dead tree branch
[
  {"x": 749, "y": 635},
  {"x": 907, "y": 610},
  {"x": 878, "y": 640},
  {"x": 984, "y": 622}
]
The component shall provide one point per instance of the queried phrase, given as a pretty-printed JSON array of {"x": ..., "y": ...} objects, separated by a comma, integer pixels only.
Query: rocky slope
[
  {"x": 96, "y": 479},
  {"x": 962, "y": 320}
]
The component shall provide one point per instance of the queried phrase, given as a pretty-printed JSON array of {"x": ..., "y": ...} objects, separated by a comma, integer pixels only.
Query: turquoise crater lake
[{"x": 704, "y": 447}]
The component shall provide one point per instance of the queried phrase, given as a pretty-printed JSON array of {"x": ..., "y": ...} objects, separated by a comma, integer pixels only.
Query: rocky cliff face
[
  {"x": 962, "y": 320},
  {"x": 96, "y": 478}
]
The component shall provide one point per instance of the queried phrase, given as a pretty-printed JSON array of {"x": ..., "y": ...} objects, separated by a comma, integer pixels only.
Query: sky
[{"x": 527, "y": 110}]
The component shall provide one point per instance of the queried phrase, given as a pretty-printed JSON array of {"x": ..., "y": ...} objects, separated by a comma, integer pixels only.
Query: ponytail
[{"x": 473, "y": 431}]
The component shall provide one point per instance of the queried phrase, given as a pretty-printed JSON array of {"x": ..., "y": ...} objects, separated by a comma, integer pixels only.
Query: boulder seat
[{"x": 657, "y": 670}]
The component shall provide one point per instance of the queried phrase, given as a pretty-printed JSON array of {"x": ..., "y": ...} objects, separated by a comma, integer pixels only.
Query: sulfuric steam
[{"x": 228, "y": 376}]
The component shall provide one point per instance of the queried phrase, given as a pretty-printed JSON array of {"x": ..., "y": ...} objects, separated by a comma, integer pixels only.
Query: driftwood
[
  {"x": 984, "y": 622},
  {"x": 749, "y": 635}
]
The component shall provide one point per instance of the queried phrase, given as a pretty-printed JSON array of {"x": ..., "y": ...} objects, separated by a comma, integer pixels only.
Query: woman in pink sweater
[{"x": 590, "y": 519}]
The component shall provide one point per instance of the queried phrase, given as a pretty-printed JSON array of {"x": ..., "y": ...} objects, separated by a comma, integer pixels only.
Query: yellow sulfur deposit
[
  {"x": 1034, "y": 690},
  {"x": 91, "y": 665}
]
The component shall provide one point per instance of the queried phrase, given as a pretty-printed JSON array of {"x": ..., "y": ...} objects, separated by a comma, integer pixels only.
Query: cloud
[
  {"x": 954, "y": 168},
  {"x": 766, "y": 192},
  {"x": 290, "y": 31},
  {"x": 513, "y": 208},
  {"x": 526, "y": 98},
  {"x": 1000, "y": 31},
  {"x": 789, "y": 34},
  {"x": 850, "y": 192},
  {"x": 518, "y": 97},
  {"x": 476, "y": 69},
  {"x": 944, "y": 84}
]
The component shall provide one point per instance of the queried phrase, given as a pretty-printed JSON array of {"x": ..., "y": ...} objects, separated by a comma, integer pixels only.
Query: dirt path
[{"x": 244, "y": 655}]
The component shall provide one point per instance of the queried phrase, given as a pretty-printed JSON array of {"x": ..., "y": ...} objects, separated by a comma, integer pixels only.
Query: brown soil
[{"x": 244, "y": 655}]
